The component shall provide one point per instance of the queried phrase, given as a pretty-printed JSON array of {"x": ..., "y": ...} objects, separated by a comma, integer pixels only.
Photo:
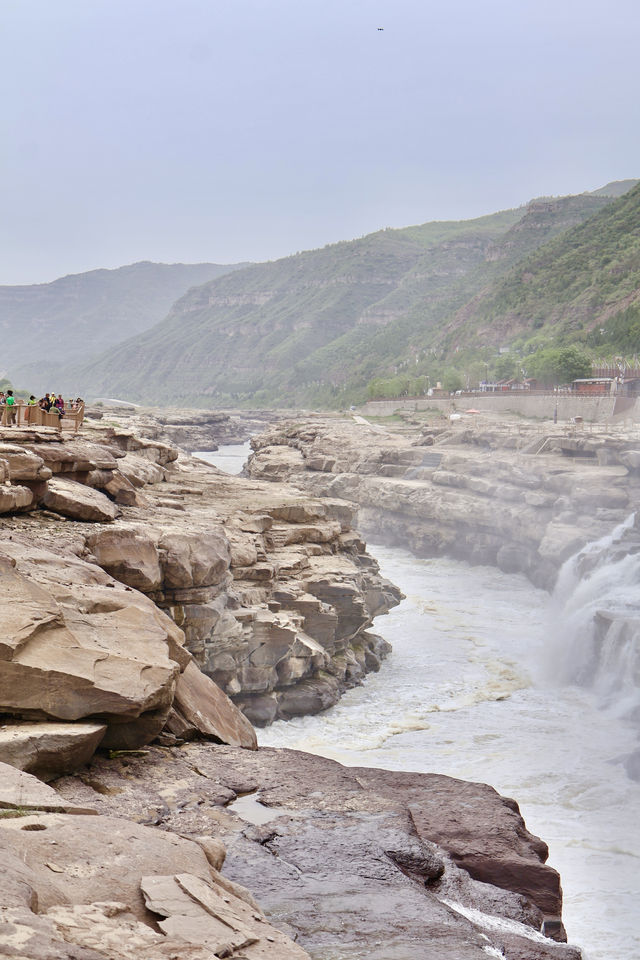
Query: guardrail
[{"x": 31, "y": 415}]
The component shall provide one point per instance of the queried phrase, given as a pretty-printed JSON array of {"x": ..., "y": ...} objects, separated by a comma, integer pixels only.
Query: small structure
[{"x": 593, "y": 386}]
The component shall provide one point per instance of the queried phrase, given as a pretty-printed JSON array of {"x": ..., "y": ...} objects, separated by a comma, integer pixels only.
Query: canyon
[{"x": 154, "y": 608}]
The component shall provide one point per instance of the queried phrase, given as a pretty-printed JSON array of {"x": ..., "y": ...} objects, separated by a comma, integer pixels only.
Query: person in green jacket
[{"x": 10, "y": 408}]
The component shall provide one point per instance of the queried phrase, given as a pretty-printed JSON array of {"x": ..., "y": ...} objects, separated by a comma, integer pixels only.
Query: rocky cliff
[
  {"x": 521, "y": 495},
  {"x": 138, "y": 585}
]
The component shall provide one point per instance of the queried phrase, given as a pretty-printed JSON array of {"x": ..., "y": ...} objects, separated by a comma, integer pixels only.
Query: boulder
[
  {"x": 129, "y": 554},
  {"x": 23, "y": 464},
  {"x": 49, "y": 750},
  {"x": 194, "y": 560},
  {"x": 79, "y": 502},
  {"x": 201, "y": 707},
  {"x": 77, "y": 645},
  {"x": 140, "y": 471},
  {"x": 15, "y": 498}
]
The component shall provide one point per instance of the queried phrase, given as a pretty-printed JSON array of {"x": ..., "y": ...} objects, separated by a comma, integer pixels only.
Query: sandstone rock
[
  {"x": 74, "y": 500},
  {"x": 85, "y": 879},
  {"x": 75, "y": 644},
  {"x": 309, "y": 697},
  {"x": 194, "y": 560},
  {"x": 198, "y": 913},
  {"x": 122, "y": 491},
  {"x": 21, "y": 791},
  {"x": 23, "y": 463},
  {"x": 139, "y": 470},
  {"x": 277, "y": 463},
  {"x": 298, "y": 511},
  {"x": 75, "y": 456},
  {"x": 15, "y": 498},
  {"x": 109, "y": 929},
  {"x": 630, "y": 459},
  {"x": 129, "y": 554},
  {"x": 203, "y": 708},
  {"x": 463, "y": 818},
  {"x": 48, "y": 750}
]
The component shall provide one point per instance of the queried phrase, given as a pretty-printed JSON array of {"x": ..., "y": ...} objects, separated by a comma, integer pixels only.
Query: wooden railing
[{"x": 26, "y": 415}]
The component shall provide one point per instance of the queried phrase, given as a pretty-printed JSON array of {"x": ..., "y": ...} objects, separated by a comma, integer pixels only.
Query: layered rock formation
[
  {"x": 189, "y": 429},
  {"x": 274, "y": 594},
  {"x": 520, "y": 495},
  {"x": 77, "y": 886},
  {"x": 133, "y": 578}
]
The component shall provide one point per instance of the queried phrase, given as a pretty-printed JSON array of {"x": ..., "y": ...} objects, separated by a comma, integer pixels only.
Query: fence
[{"x": 27, "y": 415}]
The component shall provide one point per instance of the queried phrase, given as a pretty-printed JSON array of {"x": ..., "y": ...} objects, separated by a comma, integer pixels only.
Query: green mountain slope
[
  {"x": 297, "y": 330},
  {"x": 576, "y": 283},
  {"x": 86, "y": 313}
]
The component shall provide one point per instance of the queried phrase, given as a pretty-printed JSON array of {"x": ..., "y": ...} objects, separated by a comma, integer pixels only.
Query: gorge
[{"x": 226, "y": 559}]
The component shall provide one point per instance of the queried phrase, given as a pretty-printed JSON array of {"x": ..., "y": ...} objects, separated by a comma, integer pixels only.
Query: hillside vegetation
[
  {"x": 316, "y": 328},
  {"x": 583, "y": 279}
]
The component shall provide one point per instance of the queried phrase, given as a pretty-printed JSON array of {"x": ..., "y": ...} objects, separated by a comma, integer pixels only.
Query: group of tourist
[{"x": 49, "y": 403}]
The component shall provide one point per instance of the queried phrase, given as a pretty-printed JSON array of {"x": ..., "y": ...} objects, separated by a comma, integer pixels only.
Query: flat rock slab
[
  {"x": 199, "y": 913},
  {"x": 48, "y": 750},
  {"x": 202, "y": 707},
  {"x": 84, "y": 876},
  {"x": 79, "y": 502},
  {"x": 21, "y": 791}
]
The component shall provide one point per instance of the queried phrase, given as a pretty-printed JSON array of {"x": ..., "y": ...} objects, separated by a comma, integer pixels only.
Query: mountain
[
  {"x": 300, "y": 330},
  {"x": 580, "y": 282},
  {"x": 85, "y": 313},
  {"x": 615, "y": 189}
]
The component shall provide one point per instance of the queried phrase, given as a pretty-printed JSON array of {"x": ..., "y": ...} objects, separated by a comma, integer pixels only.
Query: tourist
[
  {"x": 31, "y": 402},
  {"x": 59, "y": 402},
  {"x": 10, "y": 409}
]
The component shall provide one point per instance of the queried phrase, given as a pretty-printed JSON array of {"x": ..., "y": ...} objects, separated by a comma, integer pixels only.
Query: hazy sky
[{"x": 226, "y": 130}]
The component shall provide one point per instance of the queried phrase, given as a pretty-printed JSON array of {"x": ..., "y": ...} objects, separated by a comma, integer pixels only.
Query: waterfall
[{"x": 594, "y": 636}]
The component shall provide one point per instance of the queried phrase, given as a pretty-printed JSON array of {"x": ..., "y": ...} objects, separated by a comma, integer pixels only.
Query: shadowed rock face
[{"x": 342, "y": 857}]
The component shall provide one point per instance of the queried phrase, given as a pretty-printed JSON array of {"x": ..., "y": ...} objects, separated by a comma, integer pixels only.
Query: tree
[
  {"x": 554, "y": 366},
  {"x": 505, "y": 367},
  {"x": 451, "y": 380}
]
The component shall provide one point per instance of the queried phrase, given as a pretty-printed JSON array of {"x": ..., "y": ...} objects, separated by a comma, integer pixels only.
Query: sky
[{"x": 233, "y": 130}]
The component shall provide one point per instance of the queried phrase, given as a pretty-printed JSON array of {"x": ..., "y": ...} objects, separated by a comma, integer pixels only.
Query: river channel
[{"x": 472, "y": 689}]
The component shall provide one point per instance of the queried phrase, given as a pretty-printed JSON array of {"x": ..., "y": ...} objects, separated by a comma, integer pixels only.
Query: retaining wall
[{"x": 593, "y": 409}]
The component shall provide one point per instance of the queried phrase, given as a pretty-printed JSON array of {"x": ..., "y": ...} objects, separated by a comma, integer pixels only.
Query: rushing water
[{"x": 493, "y": 680}]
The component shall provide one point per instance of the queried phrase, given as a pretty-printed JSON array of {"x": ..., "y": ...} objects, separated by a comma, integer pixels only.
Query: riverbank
[{"x": 127, "y": 565}]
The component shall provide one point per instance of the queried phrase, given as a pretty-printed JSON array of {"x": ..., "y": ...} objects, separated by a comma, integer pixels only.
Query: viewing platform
[{"x": 23, "y": 414}]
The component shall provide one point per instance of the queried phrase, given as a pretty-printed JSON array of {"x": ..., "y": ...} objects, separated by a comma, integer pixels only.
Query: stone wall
[{"x": 591, "y": 409}]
